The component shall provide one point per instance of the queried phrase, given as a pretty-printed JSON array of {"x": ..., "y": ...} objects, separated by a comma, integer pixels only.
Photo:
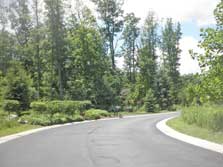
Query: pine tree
[
  {"x": 147, "y": 54},
  {"x": 171, "y": 36},
  {"x": 21, "y": 24},
  {"x": 56, "y": 28}
]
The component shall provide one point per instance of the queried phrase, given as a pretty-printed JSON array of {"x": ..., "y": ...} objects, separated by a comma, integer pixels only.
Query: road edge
[
  {"x": 164, "y": 128},
  {"x": 32, "y": 131}
]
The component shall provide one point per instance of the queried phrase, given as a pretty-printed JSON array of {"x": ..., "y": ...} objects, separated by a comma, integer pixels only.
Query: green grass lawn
[
  {"x": 193, "y": 130},
  {"x": 12, "y": 126},
  {"x": 16, "y": 129}
]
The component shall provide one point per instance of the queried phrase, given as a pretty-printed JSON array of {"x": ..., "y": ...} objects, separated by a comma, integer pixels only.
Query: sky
[{"x": 192, "y": 14}]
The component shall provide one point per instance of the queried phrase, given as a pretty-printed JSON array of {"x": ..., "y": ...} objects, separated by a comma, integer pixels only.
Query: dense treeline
[{"x": 59, "y": 50}]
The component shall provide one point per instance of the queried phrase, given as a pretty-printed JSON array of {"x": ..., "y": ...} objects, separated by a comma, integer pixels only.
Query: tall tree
[
  {"x": 111, "y": 14},
  {"x": 36, "y": 41},
  {"x": 130, "y": 35},
  {"x": 6, "y": 40},
  {"x": 171, "y": 36},
  {"x": 21, "y": 24},
  {"x": 55, "y": 15},
  {"x": 147, "y": 54}
]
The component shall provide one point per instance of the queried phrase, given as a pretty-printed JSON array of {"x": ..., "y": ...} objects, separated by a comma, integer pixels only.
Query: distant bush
[
  {"x": 39, "y": 106},
  {"x": 210, "y": 117},
  {"x": 66, "y": 107},
  {"x": 95, "y": 114},
  {"x": 11, "y": 106}
]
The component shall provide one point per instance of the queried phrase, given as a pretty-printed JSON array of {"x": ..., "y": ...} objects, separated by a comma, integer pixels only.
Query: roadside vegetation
[
  {"x": 202, "y": 95},
  {"x": 194, "y": 130}
]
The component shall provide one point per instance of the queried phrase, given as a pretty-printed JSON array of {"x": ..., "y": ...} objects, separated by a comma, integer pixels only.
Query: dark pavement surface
[{"x": 128, "y": 142}]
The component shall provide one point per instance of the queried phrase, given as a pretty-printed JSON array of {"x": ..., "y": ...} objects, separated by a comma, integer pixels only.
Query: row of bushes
[
  {"x": 210, "y": 117},
  {"x": 51, "y": 107},
  {"x": 66, "y": 107},
  {"x": 46, "y": 119},
  {"x": 60, "y": 118}
]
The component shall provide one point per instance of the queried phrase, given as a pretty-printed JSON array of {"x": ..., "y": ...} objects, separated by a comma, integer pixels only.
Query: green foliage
[
  {"x": 11, "y": 105},
  {"x": 95, "y": 114},
  {"x": 7, "y": 124},
  {"x": 130, "y": 35},
  {"x": 147, "y": 53},
  {"x": 210, "y": 117},
  {"x": 171, "y": 36},
  {"x": 39, "y": 106},
  {"x": 112, "y": 18},
  {"x": 150, "y": 101},
  {"x": 210, "y": 88},
  {"x": 68, "y": 107},
  {"x": 18, "y": 85},
  {"x": 65, "y": 107},
  {"x": 36, "y": 119}
]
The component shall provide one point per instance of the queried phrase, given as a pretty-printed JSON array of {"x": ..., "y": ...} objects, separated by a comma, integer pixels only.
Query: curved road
[{"x": 128, "y": 142}]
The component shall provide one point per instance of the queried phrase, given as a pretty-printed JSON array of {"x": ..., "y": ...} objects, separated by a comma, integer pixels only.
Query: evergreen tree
[
  {"x": 6, "y": 40},
  {"x": 150, "y": 101},
  {"x": 147, "y": 54},
  {"x": 171, "y": 36},
  {"x": 21, "y": 24},
  {"x": 18, "y": 85},
  {"x": 37, "y": 36},
  {"x": 56, "y": 28}
]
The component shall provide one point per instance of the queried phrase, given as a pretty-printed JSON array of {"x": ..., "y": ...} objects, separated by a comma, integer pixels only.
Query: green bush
[
  {"x": 60, "y": 118},
  {"x": 66, "y": 107},
  {"x": 210, "y": 117},
  {"x": 39, "y": 106},
  {"x": 11, "y": 105},
  {"x": 78, "y": 118},
  {"x": 95, "y": 114},
  {"x": 36, "y": 119}
]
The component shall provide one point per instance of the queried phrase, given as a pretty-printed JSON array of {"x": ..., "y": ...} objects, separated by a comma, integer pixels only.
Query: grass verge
[
  {"x": 16, "y": 129},
  {"x": 193, "y": 130}
]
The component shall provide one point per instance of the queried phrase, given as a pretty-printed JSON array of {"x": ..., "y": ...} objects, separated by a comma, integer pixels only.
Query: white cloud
[
  {"x": 200, "y": 11},
  {"x": 188, "y": 65}
]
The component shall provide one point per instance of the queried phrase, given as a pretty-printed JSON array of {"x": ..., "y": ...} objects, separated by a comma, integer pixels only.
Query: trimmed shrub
[
  {"x": 95, "y": 114},
  {"x": 66, "y": 107},
  {"x": 11, "y": 106},
  {"x": 39, "y": 106}
]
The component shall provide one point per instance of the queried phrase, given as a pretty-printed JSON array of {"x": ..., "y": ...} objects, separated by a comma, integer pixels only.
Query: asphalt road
[{"x": 128, "y": 142}]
